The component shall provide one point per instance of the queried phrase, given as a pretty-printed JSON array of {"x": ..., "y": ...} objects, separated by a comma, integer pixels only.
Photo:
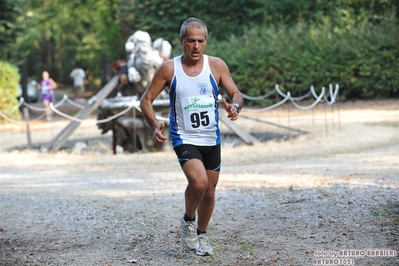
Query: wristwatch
[{"x": 238, "y": 107}]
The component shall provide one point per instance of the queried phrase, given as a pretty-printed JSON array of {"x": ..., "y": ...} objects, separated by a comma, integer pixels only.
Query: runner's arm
[
  {"x": 223, "y": 76},
  {"x": 160, "y": 80}
]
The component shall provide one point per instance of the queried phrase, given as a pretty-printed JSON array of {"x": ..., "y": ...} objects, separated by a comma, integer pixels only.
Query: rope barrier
[
  {"x": 109, "y": 119},
  {"x": 39, "y": 117},
  {"x": 333, "y": 94},
  {"x": 19, "y": 121},
  {"x": 34, "y": 108},
  {"x": 160, "y": 118},
  {"x": 74, "y": 104},
  {"x": 115, "y": 116},
  {"x": 300, "y": 98},
  {"x": 277, "y": 88},
  {"x": 64, "y": 115},
  {"x": 312, "y": 105},
  {"x": 252, "y": 98},
  {"x": 296, "y": 99},
  {"x": 269, "y": 107},
  {"x": 39, "y": 109},
  {"x": 10, "y": 119}
]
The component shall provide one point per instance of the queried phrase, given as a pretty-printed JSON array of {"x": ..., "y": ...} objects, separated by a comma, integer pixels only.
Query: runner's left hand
[{"x": 230, "y": 109}]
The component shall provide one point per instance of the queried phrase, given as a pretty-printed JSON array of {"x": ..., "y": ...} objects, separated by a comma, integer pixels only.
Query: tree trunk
[
  {"x": 24, "y": 79},
  {"x": 58, "y": 62},
  {"x": 47, "y": 52}
]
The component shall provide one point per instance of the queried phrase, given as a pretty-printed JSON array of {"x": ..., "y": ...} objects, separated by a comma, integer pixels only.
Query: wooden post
[
  {"x": 325, "y": 118},
  {"x": 134, "y": 129},
  {"x": 289, "y": 121},
  {"x": 339, "y": 117},
  {"x": 26, "y": 117},
  {"x": 113, "y": 136}
]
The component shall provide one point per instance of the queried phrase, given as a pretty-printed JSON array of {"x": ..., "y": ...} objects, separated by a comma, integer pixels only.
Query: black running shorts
[{"x": 209, "y": 155}]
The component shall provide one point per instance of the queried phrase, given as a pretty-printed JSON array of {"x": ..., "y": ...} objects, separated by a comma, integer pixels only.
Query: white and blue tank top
[{"x": 194, "y": 115}]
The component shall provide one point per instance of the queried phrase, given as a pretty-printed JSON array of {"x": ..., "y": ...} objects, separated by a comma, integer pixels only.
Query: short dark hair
[{"x": 192, "y": 22}]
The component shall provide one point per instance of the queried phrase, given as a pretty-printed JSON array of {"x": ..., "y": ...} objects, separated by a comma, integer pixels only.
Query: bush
[
  {"x": 9, "y": 78},
  {"x": 360, "y": 56}
]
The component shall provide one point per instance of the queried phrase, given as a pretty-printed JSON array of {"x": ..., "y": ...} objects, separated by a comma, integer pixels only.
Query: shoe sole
[{"x": 204, "y": 253}]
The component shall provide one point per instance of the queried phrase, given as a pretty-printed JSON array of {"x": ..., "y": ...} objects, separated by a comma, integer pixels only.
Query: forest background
[{"x": 293, "y": 43}]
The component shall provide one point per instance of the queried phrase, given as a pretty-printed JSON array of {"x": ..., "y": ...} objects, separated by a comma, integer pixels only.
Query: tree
[
  {"x": 9, "y": 78},
  {"x": 162, "y": 18},
  {"x": 10, "y": 10},
  {"x": 53, "y": 35}
]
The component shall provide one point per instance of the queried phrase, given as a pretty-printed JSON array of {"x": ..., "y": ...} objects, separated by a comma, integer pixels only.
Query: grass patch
[
  {"x": 246, "y": 246},
  {"x": 384, "y": 212}
]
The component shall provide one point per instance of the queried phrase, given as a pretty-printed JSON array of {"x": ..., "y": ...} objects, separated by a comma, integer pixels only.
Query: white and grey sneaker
[
  {"x": 204, "y": 248},
  {"x": 189, "y": 234}
]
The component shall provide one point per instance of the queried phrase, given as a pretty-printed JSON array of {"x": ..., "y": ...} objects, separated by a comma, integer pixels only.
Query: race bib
[{"x": 198, "y": 112}]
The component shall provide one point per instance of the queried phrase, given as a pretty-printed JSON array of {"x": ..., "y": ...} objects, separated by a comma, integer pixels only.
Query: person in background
[
  {"x": 78, "y": 76},
  {"x": 120, "y": 68},
  {"x": 47, "y": 86},
  {"x": 193, "y": 80},
  {"x": 163, "y": 47}
]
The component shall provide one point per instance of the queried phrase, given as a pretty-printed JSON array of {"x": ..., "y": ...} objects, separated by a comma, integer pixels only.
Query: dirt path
[{"x": 297, "y": 202}]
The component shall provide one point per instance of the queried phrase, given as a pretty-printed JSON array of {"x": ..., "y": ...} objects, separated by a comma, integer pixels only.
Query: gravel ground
[{"x": 296, "y": 202}]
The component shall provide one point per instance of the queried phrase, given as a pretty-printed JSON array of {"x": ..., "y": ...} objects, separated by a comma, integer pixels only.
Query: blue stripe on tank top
[
  {"x": 215, "y": 96},
  {"x": 175, "y": 138}
]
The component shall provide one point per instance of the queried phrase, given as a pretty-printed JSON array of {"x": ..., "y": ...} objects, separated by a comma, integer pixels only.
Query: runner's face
[
  {"x": 45, "y": 75},
  {"x": 194, "y": 43}
]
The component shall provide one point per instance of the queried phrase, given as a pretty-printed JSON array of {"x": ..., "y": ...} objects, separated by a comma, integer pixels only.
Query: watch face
[{"x": 237, "y": 106}]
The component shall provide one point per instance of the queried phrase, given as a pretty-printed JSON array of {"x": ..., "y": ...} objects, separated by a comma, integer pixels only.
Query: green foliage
[
  {"x": 291, "y": 42},
  {"x": 60, "y": 34},
  {"x": 290, "y": 12},
  {"x": 384, "y": 212},
  {"x": 246, "y": 246},
  {"x": 9, "y": 78},
  {"x": 359, "y": 56},
  {"x": 162, "y": 18},
  {"x": 9, "y": 27}
]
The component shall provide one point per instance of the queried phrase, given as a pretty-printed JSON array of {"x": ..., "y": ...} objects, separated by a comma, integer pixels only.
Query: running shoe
[
  {"x": 189, "y": 234},
  {"x": 204, "y": 248}
]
